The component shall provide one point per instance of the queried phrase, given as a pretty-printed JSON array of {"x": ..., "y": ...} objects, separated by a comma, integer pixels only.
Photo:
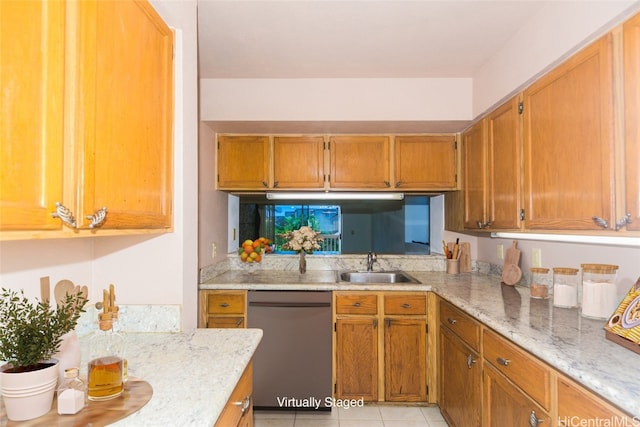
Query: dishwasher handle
[{"x": 289, "y": 304}]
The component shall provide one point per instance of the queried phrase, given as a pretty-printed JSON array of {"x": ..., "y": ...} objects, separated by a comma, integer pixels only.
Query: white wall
[
  {"x": 549, "y": 37},
  {"x": 145, "y": 269},
  {"x": 335, "y": 99}
]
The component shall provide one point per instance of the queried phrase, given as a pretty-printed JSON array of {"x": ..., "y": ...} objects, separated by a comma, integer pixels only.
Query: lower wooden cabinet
[
  {"x": 405, "y": 360},
  {"x": 223, "y": 309},
  {"x": 356, "y": 352},
  {"x": 506, "y": 405},
  {"x": 460, "y": 381},
  {"x": 238, "y": 412},
  {"x": 487, "y": 380},
  {"x": 381, "y": 346}
]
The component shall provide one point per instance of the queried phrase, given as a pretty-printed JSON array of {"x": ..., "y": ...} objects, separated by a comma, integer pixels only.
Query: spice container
[
  {"x": 599, "y": 291},
  {"x": 565, "y": 287},
  {"x": 540, "y": 283},
  {"x": 72, "y": 393}
]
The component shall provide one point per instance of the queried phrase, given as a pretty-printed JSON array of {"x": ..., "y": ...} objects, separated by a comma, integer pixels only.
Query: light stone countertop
[
  {"x": 561, "y": 337},
  {"x": 192, "y": 374}
]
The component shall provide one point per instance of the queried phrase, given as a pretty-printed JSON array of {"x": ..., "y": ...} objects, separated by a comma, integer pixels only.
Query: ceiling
[
  {"x": 290, "y": 39},
  {"x": 354, "y": 38}
]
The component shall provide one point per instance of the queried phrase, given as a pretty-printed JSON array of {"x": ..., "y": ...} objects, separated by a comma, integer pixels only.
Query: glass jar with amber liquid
[{"x": 105, "y": 377}]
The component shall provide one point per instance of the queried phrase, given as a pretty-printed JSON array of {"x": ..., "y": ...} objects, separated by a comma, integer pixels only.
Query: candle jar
[
  {"x": 599, "y": 291},
  {"x": 565, "y": 287},
  {"x": 540, "y": 287}
]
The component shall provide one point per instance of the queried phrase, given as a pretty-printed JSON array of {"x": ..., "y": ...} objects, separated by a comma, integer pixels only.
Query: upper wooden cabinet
[
  {"x": 425, "y": 161},
  {"x": 124, "y": 103},
  {"x": 32, "y": 36},
  {"x": 631, "y": 69},
  {"x": 504, "y": 196},
  {"x": 474, "y": 154},
  {"x": 243, "y": 162},
  {"x": 336, "y": 162},
  {"x": 568, "y": 143},
  {"x": 359, "y": 162},
  {"x": 298, "y": 162},
  {"x": 98, "y": 144}
]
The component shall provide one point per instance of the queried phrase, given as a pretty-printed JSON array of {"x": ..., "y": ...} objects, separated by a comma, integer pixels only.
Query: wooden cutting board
[
  {"x": 465, "y": 257},
  {"x": 511, "y": 273}
]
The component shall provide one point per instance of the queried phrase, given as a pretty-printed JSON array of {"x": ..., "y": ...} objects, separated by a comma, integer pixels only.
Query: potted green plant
[{"x": 30, "y": 334}]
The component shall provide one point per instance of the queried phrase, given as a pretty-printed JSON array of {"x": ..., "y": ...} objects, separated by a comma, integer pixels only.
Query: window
[{"x": 348, "y": 227}]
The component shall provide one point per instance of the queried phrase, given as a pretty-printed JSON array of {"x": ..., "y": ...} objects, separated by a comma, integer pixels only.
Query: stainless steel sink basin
[{"x": 375, "y": 277}]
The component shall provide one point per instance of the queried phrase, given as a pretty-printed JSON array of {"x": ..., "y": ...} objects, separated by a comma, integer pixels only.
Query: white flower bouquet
[{"x": 303, "y": 239}]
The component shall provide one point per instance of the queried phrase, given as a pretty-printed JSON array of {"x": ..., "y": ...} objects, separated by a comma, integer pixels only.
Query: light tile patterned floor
[{"x": 374, "y": 415}]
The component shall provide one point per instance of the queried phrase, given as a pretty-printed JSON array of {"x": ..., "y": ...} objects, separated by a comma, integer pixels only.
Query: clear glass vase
[{"x": 302, "y": 263}]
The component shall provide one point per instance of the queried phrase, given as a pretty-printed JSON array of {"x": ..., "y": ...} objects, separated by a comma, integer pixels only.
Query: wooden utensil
[
  {"x": 62, "y": 288},
  {"x": 45, "y": 289}
]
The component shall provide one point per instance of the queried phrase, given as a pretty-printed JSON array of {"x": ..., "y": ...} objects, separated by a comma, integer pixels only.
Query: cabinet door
[
  {"x": 568, "y": 143},
  {"x": 31, "y": 141},
  {"x": 124, "y": 114},
  {"x": 243, "y": 162},
  {"x": 504, "y": 195},
  {"x": 506, "y": 405},
  {"x": 357, "y": 358},
  {"x": 405, "y": 360},
  {"x": 359, "y": 162},
  {"x": 475, "y": 176},
  {"x": 298, "y": 162},
  {"x": 460, "y": 382},
  {"x": 425, "y": 162},
  {"x": 631, "y": 114}
]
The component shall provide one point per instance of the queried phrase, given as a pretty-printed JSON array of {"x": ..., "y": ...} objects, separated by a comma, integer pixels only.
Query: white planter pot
[{"x": 28, "y": 395}]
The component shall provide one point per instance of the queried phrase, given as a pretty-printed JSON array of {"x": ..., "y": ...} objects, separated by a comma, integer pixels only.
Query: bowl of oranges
[{"x": 253, "y": 251}]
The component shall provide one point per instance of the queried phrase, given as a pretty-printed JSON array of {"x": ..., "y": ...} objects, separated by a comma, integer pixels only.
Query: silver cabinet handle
[
  {"x": 239, "y": 322},
  {"x": 603, "y": 223},
  {"x": 503, "y": 362},
  {"x": 65, "y": 215},
  {"x": 451, "y": 321},
  {"x": 405, "y": 305},
  {"x": 470, "y": 361},
  {"x": 534, "y": 420},
  {"x": 623, "y": 221},
  {"x": 98, "y": 218},
  {"x": 224, "y": 305},
  {"x": 244, "y": 404},
  {"x": 356, "y": 304}
]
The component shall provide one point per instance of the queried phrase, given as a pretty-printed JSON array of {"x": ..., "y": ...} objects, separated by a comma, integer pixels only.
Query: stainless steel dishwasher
[{"x": 292, "y": 366}]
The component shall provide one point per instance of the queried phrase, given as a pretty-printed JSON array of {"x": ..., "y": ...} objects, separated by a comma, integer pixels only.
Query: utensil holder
[{"x": 453, "y": 266}]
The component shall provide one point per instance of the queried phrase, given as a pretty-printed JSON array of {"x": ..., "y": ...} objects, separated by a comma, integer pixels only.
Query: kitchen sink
[{"x": 375, "y": 277}]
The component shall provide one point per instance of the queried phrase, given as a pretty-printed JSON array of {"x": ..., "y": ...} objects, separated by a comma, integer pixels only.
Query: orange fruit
[
  {"x": 258, "y": 258},
  {"x": 248, "y": 248}
]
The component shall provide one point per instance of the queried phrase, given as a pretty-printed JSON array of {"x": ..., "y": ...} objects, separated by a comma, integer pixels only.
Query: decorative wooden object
[{"x": 136, "y": 394}]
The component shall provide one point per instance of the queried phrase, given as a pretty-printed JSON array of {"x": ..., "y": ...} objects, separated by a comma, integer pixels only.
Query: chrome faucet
[{"x": 371, "y": 258}]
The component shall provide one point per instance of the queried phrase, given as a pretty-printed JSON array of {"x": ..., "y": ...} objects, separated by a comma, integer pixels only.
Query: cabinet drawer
[
  {"x": 521, "y": 368},
  {"x": 240, "y": 403},
  {"x": 575, "y": 402},
  {"x": 225, "y": 322},
  {"x": 356, "y": 304},
  {"x": 226, "y": 303},
  {"x": 405, "y": 304},
  {"x": 461, "y": 324}
]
